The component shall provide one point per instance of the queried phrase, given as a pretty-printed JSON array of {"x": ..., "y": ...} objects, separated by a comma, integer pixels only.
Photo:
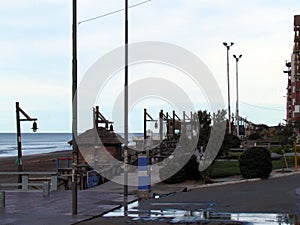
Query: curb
[{"x": 273, "y": 176}]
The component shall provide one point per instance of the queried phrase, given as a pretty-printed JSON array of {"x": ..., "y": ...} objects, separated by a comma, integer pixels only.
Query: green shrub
[
  {"x": 256, "y": 163},
  {"x": 189, "y": 171}
]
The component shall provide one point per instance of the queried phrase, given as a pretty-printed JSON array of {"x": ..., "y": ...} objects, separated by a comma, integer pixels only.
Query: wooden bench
[{"x": 26, "y": 181}]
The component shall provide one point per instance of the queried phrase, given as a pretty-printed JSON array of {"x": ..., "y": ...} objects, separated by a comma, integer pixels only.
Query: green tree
[
  {"x": 286, "y": 134},
  {"x": 254, "y": 136},
  {"x": 219, "y": 122},
  {"x": 230, "y": 140},
  {"x": 205, "y": 120}
]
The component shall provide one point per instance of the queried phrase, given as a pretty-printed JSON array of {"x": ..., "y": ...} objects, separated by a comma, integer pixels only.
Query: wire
[
  {"x": 113, "y": 12},
  {"x": 262, "y": 107}
]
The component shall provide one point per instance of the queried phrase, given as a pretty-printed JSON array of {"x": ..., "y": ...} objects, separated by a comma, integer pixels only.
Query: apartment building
[{"x": 293, "y": 72}]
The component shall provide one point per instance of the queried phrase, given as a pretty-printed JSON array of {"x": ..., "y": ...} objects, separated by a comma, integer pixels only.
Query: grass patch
[
  {"x": 280, "y": 163},
  {"x": 278, "y": 149},
  {"x": 225, "y": 168}
]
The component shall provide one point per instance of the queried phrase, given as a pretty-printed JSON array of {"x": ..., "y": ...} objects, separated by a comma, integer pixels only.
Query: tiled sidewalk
[{"x": 33, "y": 208}]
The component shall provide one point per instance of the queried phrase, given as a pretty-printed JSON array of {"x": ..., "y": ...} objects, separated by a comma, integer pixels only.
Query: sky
[{"x": 36, "y": 54}]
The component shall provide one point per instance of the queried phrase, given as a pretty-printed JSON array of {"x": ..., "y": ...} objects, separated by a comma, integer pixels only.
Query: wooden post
[
  {"x": 19, "y": 142},
  {"x": 2, "y": 199},
  {"x": 25, "y": 182},
  {"x": 53, "y": 182},
  {"x": 161, "y": 131}
]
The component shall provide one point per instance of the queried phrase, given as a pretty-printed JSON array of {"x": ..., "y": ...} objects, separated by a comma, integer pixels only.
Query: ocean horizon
[
  {"x": 34, "y": 143},
  {"x": 38, "y": 143}
]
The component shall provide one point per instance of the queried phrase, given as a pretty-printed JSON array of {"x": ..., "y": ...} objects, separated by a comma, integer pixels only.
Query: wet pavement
[
  {"x": 272, "y": 201},
  {"x": 194, "y": 213},
  {"x": 33, "y": 208}
]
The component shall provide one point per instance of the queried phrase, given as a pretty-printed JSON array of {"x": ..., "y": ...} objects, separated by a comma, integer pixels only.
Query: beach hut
[
  {"x": 99, "y": 145},
  {"x": 96, "y": 143}
]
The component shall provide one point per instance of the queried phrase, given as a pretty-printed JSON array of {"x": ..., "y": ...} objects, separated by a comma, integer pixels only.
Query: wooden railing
[{"x": 28, "y": 180}]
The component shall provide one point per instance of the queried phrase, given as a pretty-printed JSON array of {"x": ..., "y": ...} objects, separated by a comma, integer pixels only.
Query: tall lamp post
[
  {"x": 34, "y": 128},
  {"x": 74, "y": 110},
  {"x": 237, "y": 95},
  {"x": 126, "y": 106},
  {"x": 228, "y": 85}
]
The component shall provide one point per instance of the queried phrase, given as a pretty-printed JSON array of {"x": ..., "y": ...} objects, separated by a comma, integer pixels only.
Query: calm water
[{"x": 34, "y": 143}]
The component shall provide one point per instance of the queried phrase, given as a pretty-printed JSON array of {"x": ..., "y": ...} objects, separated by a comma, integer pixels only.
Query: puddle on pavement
[{"x": 204, "y": 212}]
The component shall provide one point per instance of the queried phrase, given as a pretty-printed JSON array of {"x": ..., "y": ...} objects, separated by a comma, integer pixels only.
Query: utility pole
[
  {"x": 74, "y": 110},
  {"x": 228, "y": 85},
  {"x": 237, "y": 95},
  {"x": 126, "y": 104}
]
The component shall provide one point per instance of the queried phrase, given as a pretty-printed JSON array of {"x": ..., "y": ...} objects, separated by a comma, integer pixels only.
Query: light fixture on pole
[
  {"x": 34, "y": 128},
  {"x": 144, "y": 159},
  {"x": 150, "y": 119},
  {"x": 237, "y": 95},
  {"x": 228, "y": 85}
]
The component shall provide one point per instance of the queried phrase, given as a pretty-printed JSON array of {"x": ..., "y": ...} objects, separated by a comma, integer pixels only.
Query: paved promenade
[
  {"x": 24, "y": 208},
  {"x": 278, "y": 194}
]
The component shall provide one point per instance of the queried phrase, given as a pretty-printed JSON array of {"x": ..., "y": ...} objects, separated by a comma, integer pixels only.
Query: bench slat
[
  {"x": 28, "y": 173},
  {"x": 10, "y": 184},
  {"x": 39, "y": 178}
]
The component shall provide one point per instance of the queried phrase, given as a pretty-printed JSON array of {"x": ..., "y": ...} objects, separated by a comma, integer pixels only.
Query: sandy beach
[{"x": 33, "y": 163}]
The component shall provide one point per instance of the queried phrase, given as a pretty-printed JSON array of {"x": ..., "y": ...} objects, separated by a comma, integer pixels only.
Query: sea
[
  {"x": 37, "y": 143},
  {"x": 34, "y": 143}
]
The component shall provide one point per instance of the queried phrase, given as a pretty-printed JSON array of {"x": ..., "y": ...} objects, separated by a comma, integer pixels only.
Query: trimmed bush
[
  {"x": 189, "y": 171},
  {"x": 256, "y": 162}
]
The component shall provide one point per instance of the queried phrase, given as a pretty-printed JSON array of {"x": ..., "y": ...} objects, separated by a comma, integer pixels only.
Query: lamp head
[
  {"x": 156, "y": 125},
  {"x": 34, "y": 127},
  {"x": 237, "y": 58},
  {"x": 228, "y": 45},
  {"x": 111, "y": 128}
]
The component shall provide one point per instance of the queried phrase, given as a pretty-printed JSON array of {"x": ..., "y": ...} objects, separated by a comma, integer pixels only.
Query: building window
[{"x": 297, "y": 108}]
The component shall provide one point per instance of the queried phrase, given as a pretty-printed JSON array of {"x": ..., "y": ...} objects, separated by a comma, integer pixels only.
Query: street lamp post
[
  {"x": 144, "y": 159},
  {"x": 34, "y": 128},
  {"x": 74, "y": 110},
  {"x": 126, "y": 105},
  {"x": 228, "y": 85},
  {"x": 237, "y": 95}
]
